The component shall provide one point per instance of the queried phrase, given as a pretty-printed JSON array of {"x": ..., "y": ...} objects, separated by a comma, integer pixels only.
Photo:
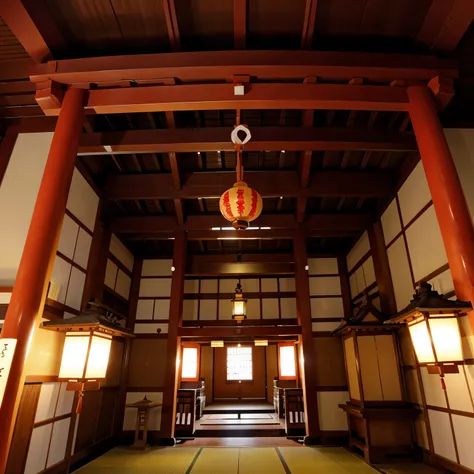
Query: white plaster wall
[
  {"x": 18, "y": 193},
  {"x": 461, "y": 144}
]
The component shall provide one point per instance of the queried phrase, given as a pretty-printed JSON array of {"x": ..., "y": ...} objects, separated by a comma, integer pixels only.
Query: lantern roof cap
[
  {"x": 90, "y": 320},
  {"x": 367, "y": 317},
  {"x": 427, "y": 300}
]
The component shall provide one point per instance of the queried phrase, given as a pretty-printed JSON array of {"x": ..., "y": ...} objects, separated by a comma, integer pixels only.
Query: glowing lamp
[
  {"x": 239, "y": 305},
  {"x": 86, "y": 350},
  {"x": 432, "y": 321},
  {"x": 240, "y": 205}
]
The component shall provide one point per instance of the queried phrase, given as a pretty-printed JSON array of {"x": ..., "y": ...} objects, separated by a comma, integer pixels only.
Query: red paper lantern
[{"x": 240, "y": 205}]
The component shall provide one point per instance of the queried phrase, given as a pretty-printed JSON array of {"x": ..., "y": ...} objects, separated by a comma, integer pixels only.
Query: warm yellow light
[
  {"x": 217, "y": 343},
  {"x": 446, "y": 339},
  {"x": 261, "y": 342},
  {"x": 422, "y": 342},
  {"x": 287, "y": 361},
  {"x": 98, "y": 359},
  {"x": 77, "y": 364},
  {"x": 74, "y": 356},
  {"x": 190, "y": 363},
  {"x": 239, "y": 308}
]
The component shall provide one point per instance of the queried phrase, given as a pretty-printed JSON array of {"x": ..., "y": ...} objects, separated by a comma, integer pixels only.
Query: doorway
[{"x": 238, "y": 389}]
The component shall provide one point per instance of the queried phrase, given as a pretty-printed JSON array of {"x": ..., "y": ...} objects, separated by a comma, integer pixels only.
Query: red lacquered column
[
  {"x": 29, "y": 291},
  {"x": 448, "y": 197}
]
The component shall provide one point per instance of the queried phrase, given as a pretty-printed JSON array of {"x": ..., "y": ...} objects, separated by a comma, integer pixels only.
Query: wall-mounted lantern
[
  {"x": 86, "y": 349},
  {"x": 433, "y": 324},
  {"x": 239, "y": 305}
]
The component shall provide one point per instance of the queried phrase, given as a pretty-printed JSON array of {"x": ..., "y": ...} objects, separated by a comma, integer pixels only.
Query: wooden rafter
[
  {"x": 240, "y": 23},
  {"x": 445, "y": 24},
  {"x": 308, "y": 24},
  {"x": 172, "y": 25},
  {"x": 31, "y": 23}
]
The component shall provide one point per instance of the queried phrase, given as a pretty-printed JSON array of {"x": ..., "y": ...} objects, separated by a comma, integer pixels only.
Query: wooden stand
[
  {"x": 141, "y": 429},
  {"x": 379, "y": 416}
]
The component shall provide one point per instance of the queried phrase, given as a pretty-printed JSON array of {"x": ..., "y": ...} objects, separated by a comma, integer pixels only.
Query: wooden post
[
  {"x": 306, "y": 355},
  {"x": 345, "y": 286},
  {"x": 449, "y": 202},
  {"x": 127, "y": 347},
  {"x": 173, "y": 365},
  {"x": 36, "y": 263},
  {"x": 383, "y": 277},
  {"x": 97, "y": 263}
]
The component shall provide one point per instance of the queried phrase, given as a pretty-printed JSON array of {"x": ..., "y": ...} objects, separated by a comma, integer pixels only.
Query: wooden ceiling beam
[
  {"x": 238, "y": 331},
  {"x": 315, "y": 222},
  {"x": 220, "y": 65},
  {"x": 240, "y": 24},
  {"x": 31, "y": 22},
  {"x": 221, "y": 97},
  {"x": 268, "y": 183},
  {"x": 180, "y": 140},
  {"x": 243, "y": 258},
  {"x": 237, "y": 269},
  {"x": 445, "y": 24}
]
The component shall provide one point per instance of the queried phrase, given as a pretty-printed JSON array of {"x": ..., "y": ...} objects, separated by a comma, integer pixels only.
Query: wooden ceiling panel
[
  {"x": 89, "y": 24},
  {"x": 10, "y": 47},
  {"x": 206, "y": 24},
  {"x": 340, "y": 17},
  {"x": 396, "y": 18},
  {"x": 274, "y": 24},
  {"x": 142, "y": 22}
]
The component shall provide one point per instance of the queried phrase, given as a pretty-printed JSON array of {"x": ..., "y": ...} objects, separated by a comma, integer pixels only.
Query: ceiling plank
[
  {"x": 268, "y": 183},
  {"x": 445, "y": 24},
  {"x": 172, "y": 25},
  {"x": 263, "y": 138},
  {"x": 308, "y": 24},
  {"x": 315, "y": 222},
  {"x": 31, "y": 23},
  {"x": 240, "y": 24},
  {"x": 220, "y": 65}
]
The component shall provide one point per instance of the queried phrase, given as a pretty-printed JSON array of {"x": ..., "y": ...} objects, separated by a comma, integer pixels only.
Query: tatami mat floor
[{"x": 220, "y": 460}]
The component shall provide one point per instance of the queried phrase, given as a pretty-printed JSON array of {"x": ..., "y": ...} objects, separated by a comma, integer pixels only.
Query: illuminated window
[
  {"x": 239, "y": 363},
  {"x": 287, "y": 361},
  {"x": 190, "y": 364}
]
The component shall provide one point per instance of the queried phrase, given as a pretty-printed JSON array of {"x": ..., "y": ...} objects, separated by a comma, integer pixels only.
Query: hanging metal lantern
[
  {"x": 239, "y": 305},
  {"x": 240, "y": 204}
]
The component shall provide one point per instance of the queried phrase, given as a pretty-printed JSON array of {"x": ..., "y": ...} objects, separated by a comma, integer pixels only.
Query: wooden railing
[
  {"x": 294, "y": 411},
  {"x": 185, "y": 412}
]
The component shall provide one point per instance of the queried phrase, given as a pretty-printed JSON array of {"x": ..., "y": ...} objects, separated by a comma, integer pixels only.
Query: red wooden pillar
[
  {"x": 36, "y": 264},
  {"x": 168, "y": 414},
  {"x": 306, "y": 353},
  {"x": 448, "y": 197}
]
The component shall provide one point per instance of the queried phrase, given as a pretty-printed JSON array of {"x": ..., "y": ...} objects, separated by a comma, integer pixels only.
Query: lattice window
[{"x": 239, "y": 363}]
